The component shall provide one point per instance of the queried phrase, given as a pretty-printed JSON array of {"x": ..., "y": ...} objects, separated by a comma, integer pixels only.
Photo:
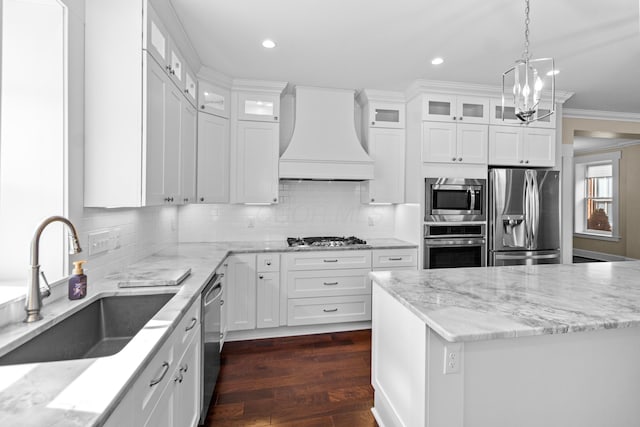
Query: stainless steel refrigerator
[{"x": 524, "y": 217}]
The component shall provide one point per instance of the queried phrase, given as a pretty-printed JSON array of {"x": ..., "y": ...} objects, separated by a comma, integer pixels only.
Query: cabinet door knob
[
  {"x": 268, "y": 262},
  {"x": 186, "y": 199},
  {"x": 202, "y": 199},
  {"x": 275, "y": 199},
  {"x": 202, "y": 107},
  {"x": 526, "y": 161},
  {"x": 455, "y": 118},
  {"x": 261, "y": 277},
  {"x": 275, "y": 117},
  {"x": 186, "y": 91},
  {"x": 373, "y": 123},
  {"x": 453, "y": 158},
  {"x": 460, "y": 118},
  {"x": 459, "y": 159},
  {"x": 373, "y": 200},
  {"x": 521, "y": 161}
]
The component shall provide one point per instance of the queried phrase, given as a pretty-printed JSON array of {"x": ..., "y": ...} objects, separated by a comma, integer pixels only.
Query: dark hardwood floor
[{"x": 304, "y": 381}]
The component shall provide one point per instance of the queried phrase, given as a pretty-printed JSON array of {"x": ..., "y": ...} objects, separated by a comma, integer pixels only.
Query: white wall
[{"x": 307, "y": 208}]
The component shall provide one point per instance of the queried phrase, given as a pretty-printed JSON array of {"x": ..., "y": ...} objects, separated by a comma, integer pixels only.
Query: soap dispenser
[{"x": 78, "y": 282}]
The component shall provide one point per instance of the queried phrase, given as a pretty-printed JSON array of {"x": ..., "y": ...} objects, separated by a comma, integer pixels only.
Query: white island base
[{"x": 582, "y": 379}]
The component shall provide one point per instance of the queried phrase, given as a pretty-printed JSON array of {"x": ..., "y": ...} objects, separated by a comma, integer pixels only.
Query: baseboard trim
[
  {"x": 600, "y": 256},
  {"x": 288, "y": 331}
]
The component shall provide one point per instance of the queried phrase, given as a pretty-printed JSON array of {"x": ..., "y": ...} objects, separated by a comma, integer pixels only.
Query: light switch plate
[{"x": 99, "y": 242}]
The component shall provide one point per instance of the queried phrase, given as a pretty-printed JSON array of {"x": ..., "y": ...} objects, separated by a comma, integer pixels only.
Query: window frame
[{"x": 581, "y": 164}]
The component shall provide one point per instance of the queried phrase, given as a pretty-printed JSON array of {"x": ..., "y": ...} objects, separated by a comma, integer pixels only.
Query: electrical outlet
[
  {"x": 452, "y": 356},
  {"x": 98, "y": 242}
]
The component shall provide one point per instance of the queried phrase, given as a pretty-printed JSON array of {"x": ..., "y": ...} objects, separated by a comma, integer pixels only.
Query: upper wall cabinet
[
  {"x": 213, "y": 99},
  {"x": 511, "y": 119},
  {"x": 257, "y": 106},
  {"x": 522, "y": 146},
  {"x": 447, "y": 108},
  {"x": 213, "y": 159},
  {"x": 386, "y": 115},
  {"x": 137, "y": 125}
]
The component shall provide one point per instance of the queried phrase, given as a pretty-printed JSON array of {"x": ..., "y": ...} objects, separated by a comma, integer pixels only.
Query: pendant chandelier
[{"x": 526, "y": 82}]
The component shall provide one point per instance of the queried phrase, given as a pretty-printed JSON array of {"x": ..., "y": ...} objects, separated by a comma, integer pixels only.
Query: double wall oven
[{"x": 455, "y": 228}]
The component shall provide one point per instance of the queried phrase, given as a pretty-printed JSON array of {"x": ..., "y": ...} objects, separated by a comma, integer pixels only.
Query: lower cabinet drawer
[
  {"x": 318, "y": 283},
  {"x": 312, "y": 311}
]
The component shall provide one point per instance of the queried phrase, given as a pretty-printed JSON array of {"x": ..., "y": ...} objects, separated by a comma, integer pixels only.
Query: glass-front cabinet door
[
  {"x": 190, "y": 87},
  {"x": 156, "y": 38},
  {"x": 213, "y": 99},
  {"x": 386, "y": 115},
  {"x": 262, "y": 107},
  {"x": 176, "y": 66},
  {"x": 472, "y": 110},
  {"x": 439, "y": 108},
  {"x": 510, "y": 115}
]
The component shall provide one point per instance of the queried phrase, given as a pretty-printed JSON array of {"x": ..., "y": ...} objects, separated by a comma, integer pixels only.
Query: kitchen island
[{"x": 546, "y": 345}]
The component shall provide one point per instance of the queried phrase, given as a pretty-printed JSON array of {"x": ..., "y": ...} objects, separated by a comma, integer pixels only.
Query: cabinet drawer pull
[
  {"x": 330, "y": 283},
  {"x": 330, "y": 260},
  {"x": 193, "y": 323},
  {"x": 332, "y": 310},
  {"x": 165, "y": 368},
  {"x": 395, "y": 259}
]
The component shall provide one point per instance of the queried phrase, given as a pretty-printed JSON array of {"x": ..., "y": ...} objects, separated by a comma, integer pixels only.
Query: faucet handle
[{"x": 45, "y": 291}]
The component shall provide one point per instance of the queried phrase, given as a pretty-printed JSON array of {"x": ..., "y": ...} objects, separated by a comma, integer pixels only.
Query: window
[
  {"x": 596, "y": 191},
  {"x": 32, "y": 135}
]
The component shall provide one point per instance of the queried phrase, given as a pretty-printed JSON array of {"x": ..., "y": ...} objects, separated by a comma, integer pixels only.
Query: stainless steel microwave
[{"x": 455, "y": 199}]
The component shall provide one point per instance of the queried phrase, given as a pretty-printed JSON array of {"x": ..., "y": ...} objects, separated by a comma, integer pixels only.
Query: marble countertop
[
  {"x": 79, "y": 393},
  {"x": 471, "y": 304}
]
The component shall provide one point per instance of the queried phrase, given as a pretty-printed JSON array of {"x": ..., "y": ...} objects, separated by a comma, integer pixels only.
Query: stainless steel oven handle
[
  {"x": 454, "y": 242},
  {"x": 548, "y": 256}
]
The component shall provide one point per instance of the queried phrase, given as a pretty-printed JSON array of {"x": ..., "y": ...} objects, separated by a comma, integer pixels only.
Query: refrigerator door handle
[
  {"x": 527, "y": 209},
  {"x": 535, "y": 223}
]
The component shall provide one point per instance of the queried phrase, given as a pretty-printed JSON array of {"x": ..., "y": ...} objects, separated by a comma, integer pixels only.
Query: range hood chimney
[{"x": 324, "y": 145}]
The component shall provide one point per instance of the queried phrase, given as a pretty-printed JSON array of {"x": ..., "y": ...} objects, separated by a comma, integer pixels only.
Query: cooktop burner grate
[{"x": 325, "y": 241}]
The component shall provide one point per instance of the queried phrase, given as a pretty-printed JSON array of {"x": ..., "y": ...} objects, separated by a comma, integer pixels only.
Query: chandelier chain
[{"x": 526, "y": 54}]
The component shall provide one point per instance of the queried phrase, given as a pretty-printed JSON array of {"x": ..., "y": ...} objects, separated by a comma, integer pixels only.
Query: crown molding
[
  {"x": 574, "y": 113},
  {"x": 421, "y": 86},
  {"x": 215, "y": 77},
  {"x": 373, "y": 95},
  {"x": 258, "y": 85}
]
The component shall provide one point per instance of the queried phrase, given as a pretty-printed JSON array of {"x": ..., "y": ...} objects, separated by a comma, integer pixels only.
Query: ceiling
[
  {"x": 585, "y": 144},
  {"x": 388, "y": 44}
]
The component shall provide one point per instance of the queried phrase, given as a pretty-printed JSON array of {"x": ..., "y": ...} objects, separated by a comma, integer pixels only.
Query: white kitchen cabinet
[
  {"x": 268, "y": 291},
  {"x": 385, "y": 115},
  {"x": 187, "y": 153},
  {"x": 213, "y": 159},
  {"x": 213, "y": 99},
  {"x": 386, "y": 148},
  {"x": 449, "y": 108},
  {"x": 163, "y": 107},
  {"x": 511, "y": 119},
  {"x": 254, "y": 158},
  {"x": 454, "y": 143},
  {"x": 258, "y": 106},
  {"x": 328, "y": 287},
  {"x": 186, "y": 384},
  {"x": 240, "y": 293},
  {"x": 133, "y": 109},
  {"x": 521, "y": 146},
  {"x": 385, "y": 259},
  {"x": 268, "y": 300},
  {"x": 191, "y": 88}
]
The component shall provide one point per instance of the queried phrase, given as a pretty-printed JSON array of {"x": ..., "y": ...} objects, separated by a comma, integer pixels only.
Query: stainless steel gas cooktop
[{"x": 327, "y": 241}]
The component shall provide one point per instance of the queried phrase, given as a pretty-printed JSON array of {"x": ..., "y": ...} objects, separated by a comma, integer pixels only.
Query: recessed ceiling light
[
  {"x": 268, "y": 44},
  {"x": 437, "y": 61},
  {"x": 553, "y": 72}
]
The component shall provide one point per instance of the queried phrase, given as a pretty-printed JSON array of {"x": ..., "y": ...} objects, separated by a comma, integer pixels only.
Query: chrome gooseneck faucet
[{"x": 34, "y": 296}]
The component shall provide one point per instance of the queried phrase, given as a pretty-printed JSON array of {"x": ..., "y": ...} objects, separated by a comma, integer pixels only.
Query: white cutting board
[{"x": 155, "y": 277}]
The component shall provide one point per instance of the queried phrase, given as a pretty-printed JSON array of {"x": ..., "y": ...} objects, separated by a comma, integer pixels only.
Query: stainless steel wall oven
[
  {"x": 460, "y": 245},
  {"x": 455, "y": 199}
]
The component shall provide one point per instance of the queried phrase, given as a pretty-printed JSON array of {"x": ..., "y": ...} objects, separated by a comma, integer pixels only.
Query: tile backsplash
[
  {"x": 306, "y": 208},
  {"x": 142, "y": 231}
]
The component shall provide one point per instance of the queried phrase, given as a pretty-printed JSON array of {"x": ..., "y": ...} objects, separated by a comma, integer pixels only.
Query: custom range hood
[{"x": 324, "y": 145}]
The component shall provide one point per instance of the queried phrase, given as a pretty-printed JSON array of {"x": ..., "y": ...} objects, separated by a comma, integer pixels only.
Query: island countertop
[{"x": 472, "y": 304}]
